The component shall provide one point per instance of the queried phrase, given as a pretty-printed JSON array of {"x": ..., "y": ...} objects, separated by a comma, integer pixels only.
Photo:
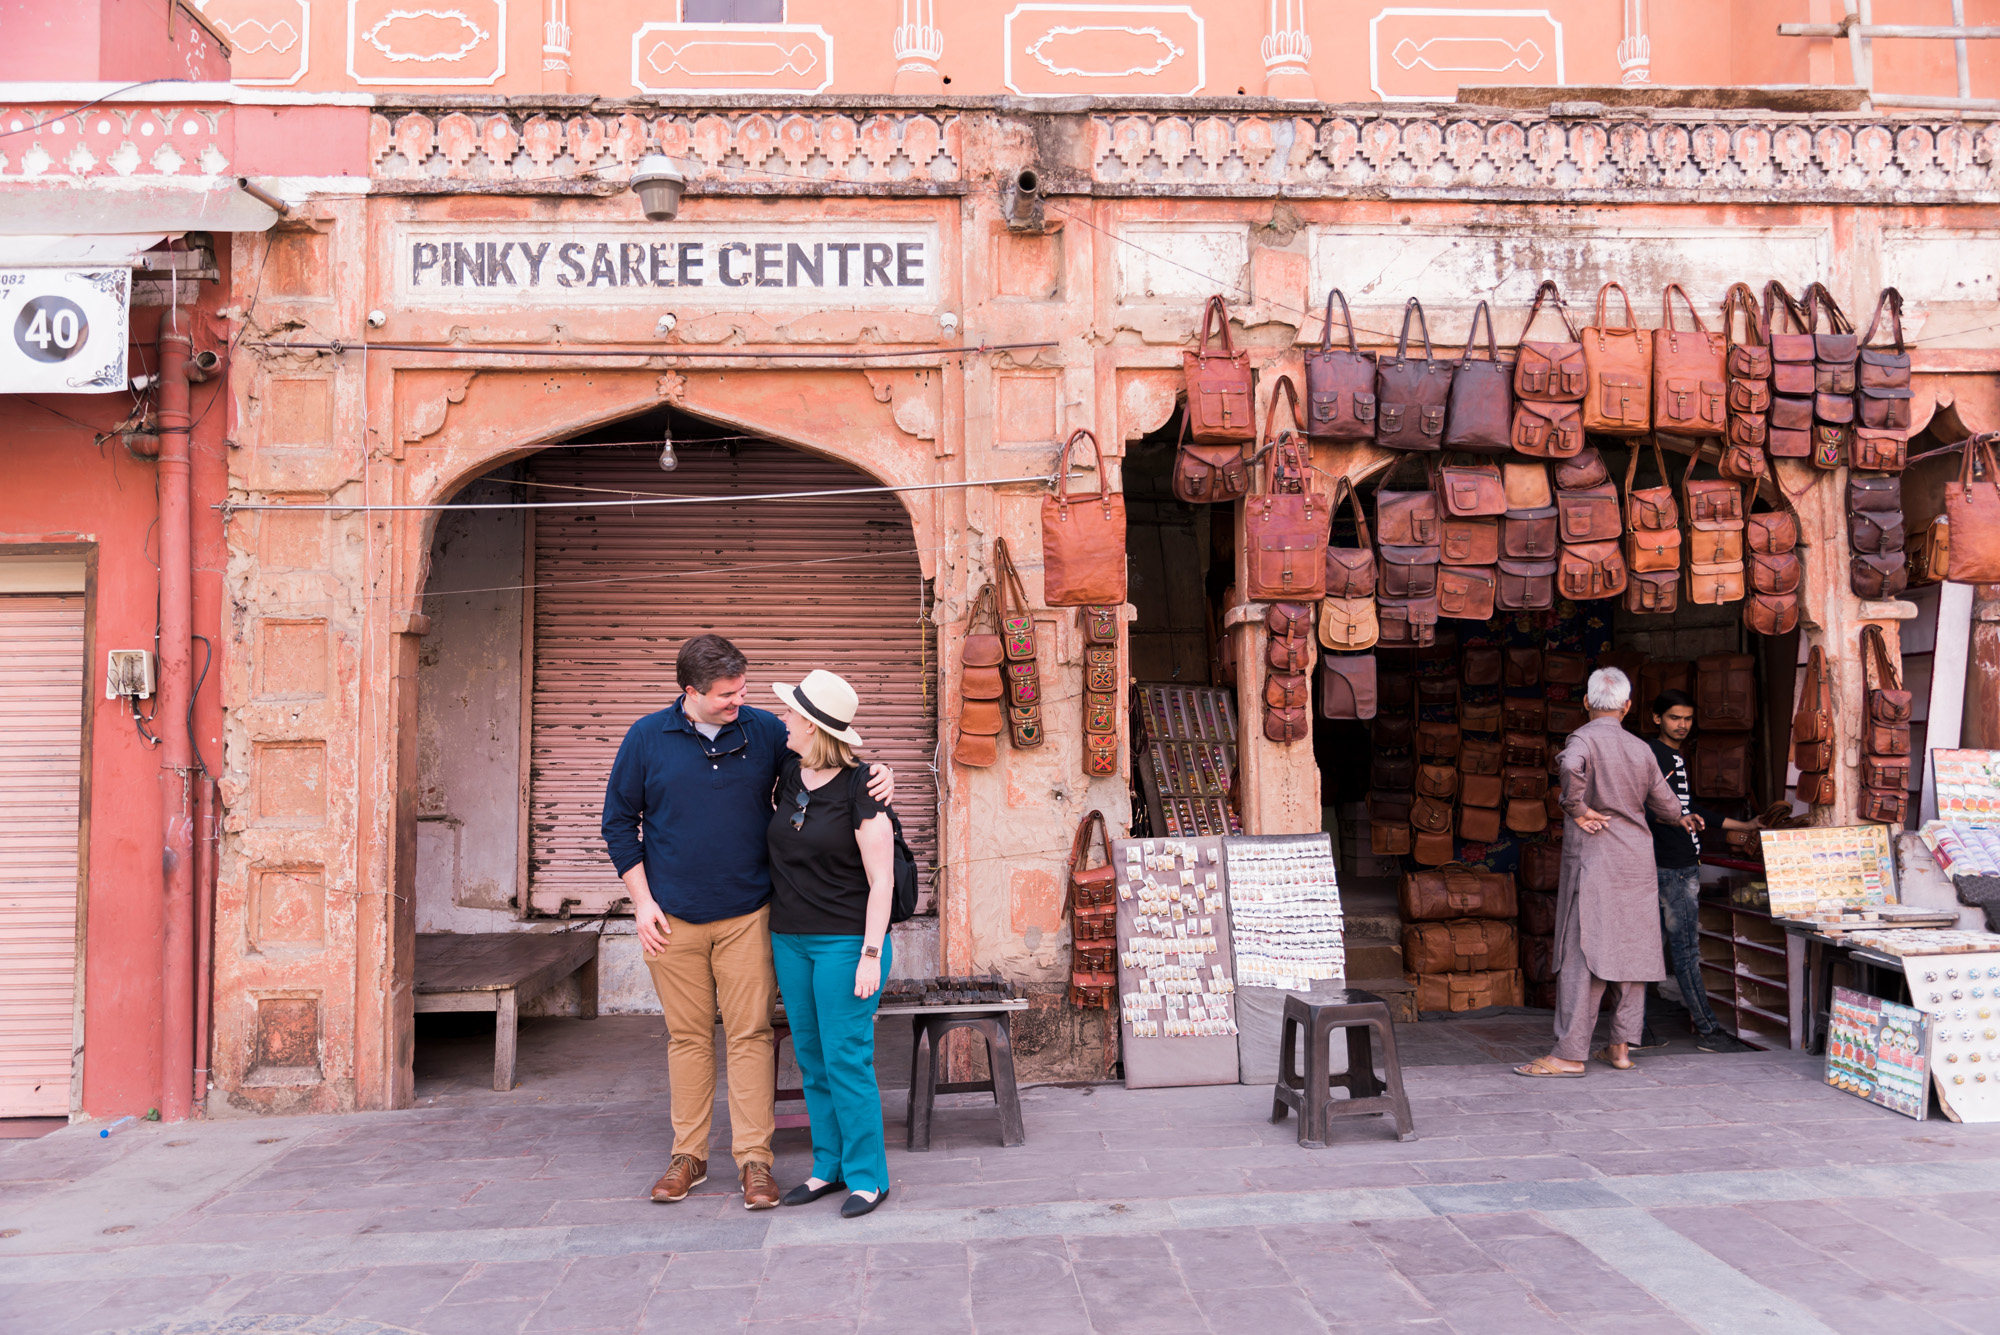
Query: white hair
[{"x": 1608, "y": 691}]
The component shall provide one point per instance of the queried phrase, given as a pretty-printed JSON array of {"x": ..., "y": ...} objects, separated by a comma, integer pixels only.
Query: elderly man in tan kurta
[{"x": 1607, "y": 905}]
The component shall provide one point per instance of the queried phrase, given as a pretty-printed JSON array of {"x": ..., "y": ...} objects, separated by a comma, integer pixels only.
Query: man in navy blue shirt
[{"x": 685, "y": 814}]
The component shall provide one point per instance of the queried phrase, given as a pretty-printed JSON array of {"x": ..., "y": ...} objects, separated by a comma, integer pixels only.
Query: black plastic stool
[
  {"x": 1311, "y": 1096},
  {"x": 928, "y": 1033}
]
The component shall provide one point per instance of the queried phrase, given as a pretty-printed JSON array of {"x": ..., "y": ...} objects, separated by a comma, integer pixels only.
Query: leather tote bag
[
  {"x": 1619, "y": 360},
  {"x": 1689, "y": 377},
  {"x": 1834, "y": 355},
  {"x": 1340, "y": 384},
  {"x": 1882, "y": 380},
  {"x": 1350, "y": 571},
  {"x": 1222, "y": 405},
  {"x": 1550, "y": 372},
  {"x": 1481, "y": 405},
  {"x": 1972, "y": 505},
  {"x": 1411, "y": 393},
  {"x": 1347, "y": 686},
  {"x": 1083, "y": 537},
  {"x": 1792, "y": 376},
  {"x": 1286, "y": 527},
  {"x": 1747, "y": 363}
]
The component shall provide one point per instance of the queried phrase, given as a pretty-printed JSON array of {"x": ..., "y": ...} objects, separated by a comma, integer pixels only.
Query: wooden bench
[{"x": 499, "y": 972}]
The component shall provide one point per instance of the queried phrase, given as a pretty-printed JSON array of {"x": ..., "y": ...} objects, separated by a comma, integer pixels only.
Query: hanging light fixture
[
  {"x": 658, "y": 183},
  {"x": 668, "y": 461}
]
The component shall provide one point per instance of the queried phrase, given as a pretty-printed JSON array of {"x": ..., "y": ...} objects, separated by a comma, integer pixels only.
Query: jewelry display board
[
  {"x": 1186, "y": 744},
  {"x": 1879, "y": 1051},
  {"x": 1176, "y": 974},
  {"x": 1286, "y": 925},
  {"x": 1961, "y": 994},
  {"x": 1968, "y": 784},
  {"x": 1821, "y": 870}
]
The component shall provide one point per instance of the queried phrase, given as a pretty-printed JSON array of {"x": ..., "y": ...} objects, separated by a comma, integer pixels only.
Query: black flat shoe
[
  {"x": 803, "y": 1194},
  {"x": 857, "y": 1205}
]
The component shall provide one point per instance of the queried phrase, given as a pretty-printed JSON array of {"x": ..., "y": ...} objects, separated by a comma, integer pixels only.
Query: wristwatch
[{"x": 871, "y": 952}]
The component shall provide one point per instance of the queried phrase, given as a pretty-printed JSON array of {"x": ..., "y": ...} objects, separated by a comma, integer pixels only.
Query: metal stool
[
  {"x": 1311, "y": 1096},
  {"x": 928, "y": 1036}
]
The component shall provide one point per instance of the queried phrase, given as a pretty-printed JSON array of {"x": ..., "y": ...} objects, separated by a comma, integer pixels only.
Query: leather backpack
[
  {"x": 1972, "y": 506},
  {"x": 1619, "y": 361},
  {"x": 1792, "y": 378},
  {"x": 1725, "y": 692},
  {"x": 1222, "y": 396},
  {"x": 1834, "y": 354},
  {"x": 981, "y": 686},
  {"x": 1882, "y": 380},
  {"x": 1689, "y": 377},
  {"x": 1347, "y": 686},
  {"x": 1480, "y": 416},
  {"x": 1714, "y": 509},
  {"x": 1411, "y": 393},
  {"x": 1340, "y": 385},
  {"x": 1287, "y": 525},
  {"x": 1747, "y": 364},
  {"x": 1721, "y": 768}
]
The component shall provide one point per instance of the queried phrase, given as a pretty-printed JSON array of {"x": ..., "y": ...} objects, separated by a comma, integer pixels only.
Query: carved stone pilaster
[
  {"x": 919, "y": 46},
  {"x": 1286, "y": 49}
]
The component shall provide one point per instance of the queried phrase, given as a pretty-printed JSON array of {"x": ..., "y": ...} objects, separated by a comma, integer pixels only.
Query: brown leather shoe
[
  {"x": 760, "y": 1189},
  {"x": 683, "y": 1175}
]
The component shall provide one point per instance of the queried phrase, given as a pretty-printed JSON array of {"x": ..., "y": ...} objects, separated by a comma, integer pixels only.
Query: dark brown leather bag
[
  {"x": 1350, "y": 571},
  {"x": 1405, "y": 518},
  {"x": 1411, "y": 394},
  {"x": 1481, "y": 415},
  {"x": 1581, "y": 473},
  {"x": 1972, "y": 506},
  {"x": 1566, "y": 718},
  {"x": 1406, "y": 623},
  {"x": 1222, "y": 399},
  {"x": 1287, "y": 725},
  {"x": 1340, "y": 385},
  {"x": 1892, "y": 772},
  {"x": 1886, "y": 575},
  {"x": 1655, "y": 592},
  {"x": 1525, "y": 586},
  {"x": 1283, "y": 654},
  {"x": 1882, "y": 383},
  {"x": 1810, "y": 756},
  {"x": 1881, "y": 451},
  {"x": 1834, "y": 355},
  {"x": 1524, "y": 748},
  {"x": 1287, "y": 690},
  {"x": 1550, "y": 372},
  {"x": 1541, "y": 870},
  {"x": 1455, "y": 992},
  {"x": 1589, "y": 514},
  {"x": 1477, "y": 756},
  {"x": 1721, "y": 769},
  {"x": 1456, "y": 891},
  {"x": 1748, "y": 365},
  {"x": 1347, "y": 686},
  {"x": 1564, "y": 667},
  {"x": 1467, "y": 593},
  {"x": 1813, "y": 721},
  {"x": 1791, "y": 376},
  {"x": 1409, "y": 572},
  {"x": 1287, "y": 525},
  {"x": 1389, "y": 839},
  {"x": 1430, "y": 815},
  {"x": 1470, "y": 490},
  {"x": 1432, "y": 849},
  {"x": 1460, "y": 947},
  {"x": 1479, "y": 665},
  {"x": 1479, "y": 717},
  {"x": 1725, "y": 692},
  {"x": 1208, "y": 474},
  {"x": 1524, "y": 781},
  {"x": 1884, "y": 806},
  {"x": 1523, "y": 667},
  {"x": 1888, "y": 702},
  {"x": 1390, "y": 806},
  {"x": 1437, "y": 690},
  {"x": 1083, "y": 537},
  {"x": 1527, "y": 815},
  {"x": 1875, "y": 513},
  {"x": 1392, "y": 772},
  {"x": 1780, "y": 574},
  {"x": 1525, "y": 713},
  {"x": 1816, "y": 790},
  {"x": 1478, "y": 825},
  {"x": 1530, "y": 535},
  {"x": 1619, "y": 360},
  {"x": 1689, "y": 375},
  {"x": 1437, "y": 740},
  {"x": 1481, "y": 790}
]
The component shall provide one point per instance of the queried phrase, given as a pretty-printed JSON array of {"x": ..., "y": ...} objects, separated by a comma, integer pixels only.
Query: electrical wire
[
  {"x": 675, "y": 350},
  {"x": 229, "y": 508},
  {"x": 78, "y": 111},
  {"x": 208, "y": 660}
]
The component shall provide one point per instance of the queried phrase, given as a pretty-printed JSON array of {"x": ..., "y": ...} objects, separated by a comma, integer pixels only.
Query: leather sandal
[
  {"x": 1539, "y": 1069},
  {"x": 1603, "y": 1054}
]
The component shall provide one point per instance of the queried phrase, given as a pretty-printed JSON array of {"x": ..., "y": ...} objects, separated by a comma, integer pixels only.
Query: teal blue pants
[{"x": 833, "y": 1034}]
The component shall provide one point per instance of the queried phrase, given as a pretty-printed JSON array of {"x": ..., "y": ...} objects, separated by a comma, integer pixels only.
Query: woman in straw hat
[{"x": 832, "y": 879}]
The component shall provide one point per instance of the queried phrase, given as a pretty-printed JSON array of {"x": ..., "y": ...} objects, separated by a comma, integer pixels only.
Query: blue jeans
[
  {"x": 1680, "y": 891},
  {"x": 833, "y": 1033}
]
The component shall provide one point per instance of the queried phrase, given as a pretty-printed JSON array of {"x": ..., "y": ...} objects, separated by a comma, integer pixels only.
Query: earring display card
[
  {"x": 1286, "y": 925},
  {"x": 1961, "y": 995},
  {"x": 1176, "y": 972},
  {"x": 1879, "y": 1051}
]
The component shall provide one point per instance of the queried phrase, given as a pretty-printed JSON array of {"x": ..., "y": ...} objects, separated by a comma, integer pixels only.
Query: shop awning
[
  {"x": 63, "y": 252},
  {"x": 62, "y": 210}
]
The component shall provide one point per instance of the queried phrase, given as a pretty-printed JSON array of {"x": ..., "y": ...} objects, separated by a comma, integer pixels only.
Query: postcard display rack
[
  {"x": 1187, "y": 758},
  {"x": 1879, "y": 1051},
  {"x": 1286, "y": 926},
  {"x": 1176, "y": 975}
]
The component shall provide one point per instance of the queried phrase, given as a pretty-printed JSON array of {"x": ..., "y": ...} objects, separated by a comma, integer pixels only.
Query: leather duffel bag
[
  {"x": 1456, "y": 891},
  {"x": 1465, "y": 946},
  {"x": 1466, "y": 991}
]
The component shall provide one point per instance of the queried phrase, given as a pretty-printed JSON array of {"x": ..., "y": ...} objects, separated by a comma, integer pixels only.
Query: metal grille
[
  {"x": 41, "y": 765},
  {"x": 796, "y": 585}
]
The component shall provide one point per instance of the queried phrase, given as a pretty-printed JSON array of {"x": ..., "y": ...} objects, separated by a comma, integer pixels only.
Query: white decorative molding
[
  {"x": 1149, "y": 50},
  {"x": 462, "y": 27},
  {"x": 255, "y": 27},
  {"x": 555, "y": 37},
  {"x": 1490, "y": 54},
  {"x": 1635, "y": 51},
  {"x": 1286, "y": 45},
  {"x": 918, "y": 38},
  {"x": 732, "y": 58}
]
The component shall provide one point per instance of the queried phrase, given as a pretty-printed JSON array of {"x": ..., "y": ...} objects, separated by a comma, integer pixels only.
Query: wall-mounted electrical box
[{"x": 128, "y": 673}]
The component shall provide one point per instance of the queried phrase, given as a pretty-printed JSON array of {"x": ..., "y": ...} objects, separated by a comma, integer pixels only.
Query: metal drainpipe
[{"x": 177, "y": 771}]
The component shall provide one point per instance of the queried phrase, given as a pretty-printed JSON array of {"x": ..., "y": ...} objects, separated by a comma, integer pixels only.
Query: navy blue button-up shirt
[{"x": 695, "y": 811}]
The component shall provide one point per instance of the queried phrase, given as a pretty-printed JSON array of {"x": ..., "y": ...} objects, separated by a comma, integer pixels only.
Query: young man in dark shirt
[{"x": 1678, "y": 857}]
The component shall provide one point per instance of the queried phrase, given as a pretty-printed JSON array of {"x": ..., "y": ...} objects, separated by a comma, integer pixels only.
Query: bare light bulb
[{"x": 668, "y": 463}]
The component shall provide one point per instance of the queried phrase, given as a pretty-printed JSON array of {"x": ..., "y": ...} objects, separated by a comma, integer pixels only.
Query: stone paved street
[{"x": 1716, "y": 1193}]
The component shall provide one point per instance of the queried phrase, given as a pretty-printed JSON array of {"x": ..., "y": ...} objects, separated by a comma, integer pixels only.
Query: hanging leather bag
[
  {"x": 1221, "y": 391},
  {"x": 1475, "y": 717},
  {"x": 1689, "y": 378},
  {"x": 1591, "y": 570},
  {"x": 1885, "y": 732},
  {"x": 1083, "y": 536},
  {"x": 1528, "y": 529},
  {"x": 1834, "y": 355},
  {"x": 1882, "y": 380},
  {"x": 1411, "y": 394},
  {"x": 1888, "y": 702},
  {"x": 1525, "y": 713},
  {"x": 1017, "y": 638},
  {"x": 1208, "y": 474},
  {"x": 1406, "y": 623},
  {"x": 982, "y": 686},
  {"x": 1350, "y": 571},
  {"x": 1286, "y": 526},
  {"x": 1467, "y": 593},
  {"x": 1093, "y": 908},
  {"x": 1347, "y": 686},
  {"x": 1525, "y": 586},
  {"x": 1437, "y": 740},
  {"x": 1456, "y": 891},
  {"x": 1652, "y": 518},
  {"x": 1565, "y": 667},
  {"x": 1813, "y": 721},
  {"x": 1748, "y": 366},
  {"x": 1714, "y": 509},
  {"x": 1874, "y": 513},
  {"x": 1721, "y": 768},
  {"x": 1439, "y": 781},
  {"x": 1100, "y": 690},
  {"x": 1774, "y": 571},
  {"x": 1348, "y": 624},
  {"x": 1725, "y": 692},
  {"x": 1792, "y": 377},
  {"x": 1524, "y": 667},
  {"x": 1480, "y": 790},
  {"x": 1405, "y": 518},
  {"x": 1972, "y": 506},
  {"x": 1479, "y": 665},
  {"x": 1340, "y": 384},
  {"x": 1619, "y": 359},
  {"x": 1480, "y": 756},
  {"x": 1470, "y": 490},
  {"x": 1549, "y": 384},
  {"x": 1480, "y": 418}
]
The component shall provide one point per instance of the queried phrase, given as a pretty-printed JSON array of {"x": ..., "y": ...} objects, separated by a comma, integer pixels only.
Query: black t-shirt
[
  {"x": 1673, "y": 847},
  {"x": 819, "y": 886}
]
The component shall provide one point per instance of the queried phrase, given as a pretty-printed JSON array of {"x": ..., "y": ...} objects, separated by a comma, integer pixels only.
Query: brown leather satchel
[
  {"x": 1411, "y": 393},
  {"x": 1564, "y": 667},
  {"x": 1287, "y": 690},
  {"x": 1017, "y": 640},
  {"x": 1882, "y": 385},
  {"x": 1286, "y": 531},
  {"x": 1581, "y": 473},
  {"x": 1812, "y": 755},
  {"x": 1389, "y": 839},
  {"x": 1406, "y": 623},
  {"x": 1481, "y": 406},
  {"x": 1525, "y": 713},
  {"x": 1222, "y": 404},
  {"x": 1878, "y": 576},
  {"x": 1437, "y": 740},
  {"x": 1526, "y": 486},
  {"x": 1565, "y": 718},
  {"x": 1430, "y": 815},
  {"x": 1816, "y": 789},
  {"x": 1390, "y": 806},
  {"x": 1972, "y": 506},
  {"x": 1347, "y": 686},
  {"x": 1409, "y": 572},
  {"x": 1530, "y": 535},
  {"x": 1439, "y": 781},
  {"x": 1348, "y": 624},
  {"x": 1470, "y": 490},
  {"x": 1481, "y": 790},
  {"x": 1771, "y": 613},
  {"x": 1093, "y": 912},
  {"x": 1715, "y": 537},
  {"x": 1888, "y": 702},
  {"x": 1891, "y": 772},
  {"x": 1874, "y": 513},
  {"x": 1527, "y": 815},
  {"x": 1525, "y": 586},
  {"x": 1689, "y": 377},
  {"x": 1619, "y": 361},
  {"x": 1350, "y": 571},
  {"x": 1748, "y": 365},
  {"x": 1834, "y": 355},
  {"x": 1477, "y": 756},
  {"x": 1541, "y": 870},
  {"x": 1456, "y": 891},
  {"x": 1470, "y": 542},
  {"x": 1884, "y": 806},
  {"x": 1405, "y": 518},
  {"x": 1291, "y": 621},
  {"x": 1653, "y": 592},
  {"x": 1725, "y": 692},
  {"x": 1792, "y": 376},
  {"x": 1479, "y": 717},
  {"x": 1550, "y": 372},
  {"x": 1881, "y": 451},
  {"x": 1432, "y": 849},
  {"x": 1285, "y": 654},
  {"x": 1478, "y": 825},
  {"x": 1083, "y": 537},
  {"x": 1780, "y": 574},
  {"x": 1721, "y": 769},
  {"x": 1524, "y": 781},
  {"x": 1591, "y": 570},
  {"x": 1652, "y": 520},
  {"x": 1589, "y": 514},
  {"x": 1285, "y": 726},
  {"x": 1524, "y": 748},
  {"x": 1813, "y": 721},
  {"x": 1340, "y": 385},
  {"x": 1479, "y": 665},
  {"x": 1391, "y": 772},
  {"x": 982, "y": 686},
  {"x": 1523, "y": 667},
  {"x": 1467, "y": 593},
  {"x": 1547, "y": 430},
  {"x": 1460, "y": 947},
  {"x": 1208, "y": 474}
]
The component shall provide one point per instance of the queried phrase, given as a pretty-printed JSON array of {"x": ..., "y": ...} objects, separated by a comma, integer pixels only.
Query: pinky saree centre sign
[{"x": 819, "y": 265}]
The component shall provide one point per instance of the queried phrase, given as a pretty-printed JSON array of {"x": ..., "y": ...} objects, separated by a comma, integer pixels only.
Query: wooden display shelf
[{"x": 1755, "y": 970}]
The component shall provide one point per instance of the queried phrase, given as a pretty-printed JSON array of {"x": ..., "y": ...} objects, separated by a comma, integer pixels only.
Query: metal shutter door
[
  {"x": 41, "y": 767},
  {"x": 795, "y": 585}
]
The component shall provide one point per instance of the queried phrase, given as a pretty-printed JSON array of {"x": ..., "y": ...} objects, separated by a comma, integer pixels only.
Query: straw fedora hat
[{"x": 826, "y": 701}]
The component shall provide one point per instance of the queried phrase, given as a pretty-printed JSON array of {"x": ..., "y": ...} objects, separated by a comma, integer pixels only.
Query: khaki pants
[
  {"x": 708, "y": 966},
  {"x": 1579, "y": 993}
]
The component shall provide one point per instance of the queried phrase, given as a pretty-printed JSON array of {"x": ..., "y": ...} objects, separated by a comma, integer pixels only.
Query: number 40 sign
[{"x": 63, "y": 331}]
